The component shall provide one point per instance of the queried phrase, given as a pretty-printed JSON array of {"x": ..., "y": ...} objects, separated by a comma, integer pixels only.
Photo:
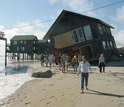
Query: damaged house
[{"x": 74, "y": 33}]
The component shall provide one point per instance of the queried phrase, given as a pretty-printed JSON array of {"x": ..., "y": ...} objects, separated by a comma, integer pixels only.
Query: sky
[{"x": 15, "y": 13}]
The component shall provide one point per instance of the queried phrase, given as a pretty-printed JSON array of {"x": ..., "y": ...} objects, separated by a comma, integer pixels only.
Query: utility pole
[{"x": 3, "y": 38}]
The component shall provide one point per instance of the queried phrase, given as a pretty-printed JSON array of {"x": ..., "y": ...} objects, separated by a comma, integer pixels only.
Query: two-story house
[
  {"x": 24, "y": 44},
  {"x": 74, "y": 33}
]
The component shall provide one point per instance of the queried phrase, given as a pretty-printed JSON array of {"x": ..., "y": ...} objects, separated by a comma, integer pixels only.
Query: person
[
  {"x": 63, "y": 59},
  {"x": 67, "y": 62},
  {"x": 42, "y": 60},
  {"x": 79, "y": 58},
  {"x": 74, "y": 63},
  {"x": 83, "y": 68},
  {"x": 54, "y": 58},
  {"x": 46, "y": 60},
  {"x": 50, "y": 58},
  {"x": 102, "y": 63},
  {"x": 59, "y": 61}
]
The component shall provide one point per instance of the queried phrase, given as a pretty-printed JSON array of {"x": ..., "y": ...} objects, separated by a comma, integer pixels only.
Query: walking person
[
  {"x": 67, "y": 62},
  {"x": 59, "y": 62},
  {"x": 79, "y": 58},
  {"x": 63, "y": 59},
  {"x": 74, "y": 63},
  {"x": 102, "y": 63},
  {"x": 83, "y": 68},
  {"x": 42, "y": 60},
  {"x": 50, "y": 58}
]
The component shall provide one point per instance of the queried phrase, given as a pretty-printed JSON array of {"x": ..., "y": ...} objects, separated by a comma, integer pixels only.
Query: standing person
[
  {"x": 74, "y": 63},
  {"x": 67, "y": 62},
  {"x": 46, "y": 60},
  {"x": 59, "y": 61},
  {"x": 63, "y": 59},
  {"x": 50, "y": 58},
  {"x": 42, "y": 60},
  {"x": 83, "y": 68},
  {"x": 79, "y": 58},
  {"x": 102, "y": 63},
  {"x": 54, "y": 58}
]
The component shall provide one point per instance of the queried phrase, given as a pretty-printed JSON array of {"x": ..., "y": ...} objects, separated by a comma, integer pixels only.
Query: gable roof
[
  {"x": 23, "y": 37},
  {"x": 62, "y": 15},
  {"x": 42, "y": 41}
]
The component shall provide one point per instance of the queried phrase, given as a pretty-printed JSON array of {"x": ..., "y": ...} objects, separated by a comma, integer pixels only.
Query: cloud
[
  {"x": 119, "y": 16},
  {"x": 119, "y": 38},
  {"x": 28, "y": 30},
  {"x": 120, "y": 13},
  {"x": 77, "y": 5}
]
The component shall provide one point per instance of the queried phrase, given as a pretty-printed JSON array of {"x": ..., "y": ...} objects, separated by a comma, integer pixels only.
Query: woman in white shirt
[
  {"x": 102, "y": 63},
  {"x": 83, "y": 68}
]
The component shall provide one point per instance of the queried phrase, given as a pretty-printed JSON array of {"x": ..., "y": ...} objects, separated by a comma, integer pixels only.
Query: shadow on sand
[{"x": 104, "y": 94}]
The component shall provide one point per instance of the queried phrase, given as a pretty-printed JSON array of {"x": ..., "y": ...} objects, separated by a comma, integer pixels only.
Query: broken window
[
  {"x": 104, "y": 45},
  {"x": 100, "y": 28},
  {"x": 78, "y": 35},
  {"x": 88, "y": 33}
]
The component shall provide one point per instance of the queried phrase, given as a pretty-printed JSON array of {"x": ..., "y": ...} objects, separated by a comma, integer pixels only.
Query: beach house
[
  {"x": 74, "y": 33},
  {"x": 24, "y": 44}
]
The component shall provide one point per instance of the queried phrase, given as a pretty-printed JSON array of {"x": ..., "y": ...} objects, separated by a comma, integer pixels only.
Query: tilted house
[
  {"x": 43, "y": 47},
  {"x": 24, "y": 44},
  {"x": 74, "y": 33}
]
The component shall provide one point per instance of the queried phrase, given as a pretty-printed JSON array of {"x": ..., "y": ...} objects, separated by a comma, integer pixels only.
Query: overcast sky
[{"x": 22, "y": 12}]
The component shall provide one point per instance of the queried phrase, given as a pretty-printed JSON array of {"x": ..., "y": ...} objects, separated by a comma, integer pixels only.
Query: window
[
  {"x": 34, "y": 42},
  {"x": 56, "y": 40},
  {"x": 108, "y": 45},
  {"x": 23, "y": 48},
  {"x": 78, "y": 35},
  {"x": 15, "y": 42},
  {"x": 111, "y": 45},
  {"x": 100, "y": 28},
  {"x": 104, "y": 29},
  {"x": 17, "y": 48},
  {"x": 108, "y": 30},
  {"x": 24, "y": 42},
  {"x": 33, "y": 48},
  {"x": 114, "y": 45},
  {"x": 104, "y": 45},
  {"x": 21, "y": 42},
  {"x": 88, "y": 33}
]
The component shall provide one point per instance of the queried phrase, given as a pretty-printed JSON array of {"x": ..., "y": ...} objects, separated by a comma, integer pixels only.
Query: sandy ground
[{"x": 63, "y": 90}]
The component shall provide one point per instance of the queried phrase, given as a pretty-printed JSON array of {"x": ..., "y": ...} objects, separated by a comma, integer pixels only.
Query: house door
[{"x": 87, "y": 51}]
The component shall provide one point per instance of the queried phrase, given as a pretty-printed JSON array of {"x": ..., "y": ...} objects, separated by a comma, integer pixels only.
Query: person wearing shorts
[{"x": 63, "y": 59}]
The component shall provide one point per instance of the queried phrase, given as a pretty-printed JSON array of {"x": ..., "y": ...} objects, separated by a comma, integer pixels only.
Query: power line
[{"x": 32, "y": 24}]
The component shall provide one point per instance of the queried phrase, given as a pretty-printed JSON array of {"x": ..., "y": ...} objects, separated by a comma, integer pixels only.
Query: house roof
[
  {"x": 42, "y": 41},
  {"x": 23, "y": 37},
  {"x": 62, "y": 16}
]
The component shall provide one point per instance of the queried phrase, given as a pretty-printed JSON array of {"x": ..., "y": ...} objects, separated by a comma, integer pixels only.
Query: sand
[{"x": 63, "y": 90}]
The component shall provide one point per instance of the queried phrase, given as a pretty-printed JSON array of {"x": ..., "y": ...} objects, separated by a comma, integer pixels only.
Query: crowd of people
[{"x": 77, "y": 62}]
